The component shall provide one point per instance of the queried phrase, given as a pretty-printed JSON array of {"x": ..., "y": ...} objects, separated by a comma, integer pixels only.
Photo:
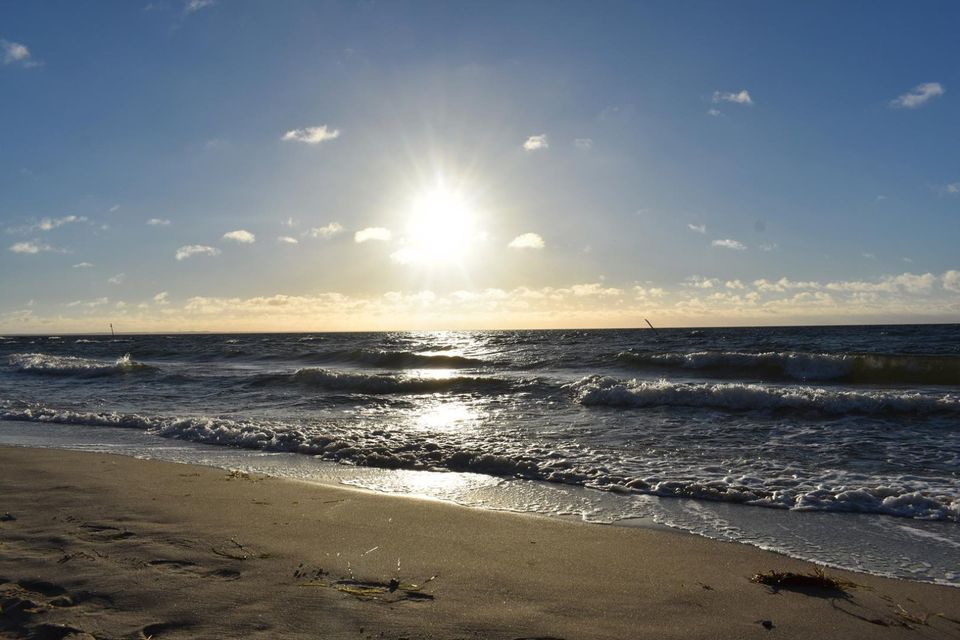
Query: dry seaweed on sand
[
  {"x": 374, "y": 590},
  {"x": 914, "y": 618},
  {"x": 816, "y": 580}
]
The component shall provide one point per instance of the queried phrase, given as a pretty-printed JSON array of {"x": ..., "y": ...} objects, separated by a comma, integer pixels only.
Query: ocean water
[{"x": 836, "y": 444}]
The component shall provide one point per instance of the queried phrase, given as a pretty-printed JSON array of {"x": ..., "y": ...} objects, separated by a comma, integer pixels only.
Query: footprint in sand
[
  {"x": 105, "y": 532},
  {"x": 185, "y": 567}
]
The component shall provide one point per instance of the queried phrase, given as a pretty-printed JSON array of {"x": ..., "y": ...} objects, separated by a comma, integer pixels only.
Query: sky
[{"x": 215, "y": 165}]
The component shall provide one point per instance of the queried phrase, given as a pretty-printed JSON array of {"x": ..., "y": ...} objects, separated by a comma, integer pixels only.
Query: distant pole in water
[
  {"x": 113, "y": 335},
  {"x": 645, "y": 320}
]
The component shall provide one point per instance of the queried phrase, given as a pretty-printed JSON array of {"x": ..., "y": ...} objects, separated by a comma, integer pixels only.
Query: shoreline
[
  {"x": 883, "y": 546},
  {"x": 118, "y": 547}
]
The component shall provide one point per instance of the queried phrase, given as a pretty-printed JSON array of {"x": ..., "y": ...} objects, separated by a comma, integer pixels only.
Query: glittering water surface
[{"x": 735, "y": 433}]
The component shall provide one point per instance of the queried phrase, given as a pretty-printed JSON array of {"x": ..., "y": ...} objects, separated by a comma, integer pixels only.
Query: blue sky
[{"x": 700, "y": 163}]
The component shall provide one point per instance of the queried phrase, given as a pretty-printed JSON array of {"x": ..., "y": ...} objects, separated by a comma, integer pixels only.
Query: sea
[{"x": 839, "y": 445}]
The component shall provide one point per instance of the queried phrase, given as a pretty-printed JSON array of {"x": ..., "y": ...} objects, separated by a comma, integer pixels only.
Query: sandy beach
[{"x": 104, "y": 546}]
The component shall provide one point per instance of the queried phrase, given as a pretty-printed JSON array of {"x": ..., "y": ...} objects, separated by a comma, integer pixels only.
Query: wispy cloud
[
  {"x": 189, "y": 250},
  {"x": 535, "y": 143},
  {"x": 527, "y": 241},
  {"x": 158, "y": 222},
  {"x": 584, "y": 144},
  {"x": 117, "y": 279},
  {"x": 716, "y": 113},
  {"x": 739, "y": 97},
  {"x": 16, "y": 53},
  {"x": 372, "y": 233},
  {"x": 162, "y": 298},
  {"x": 47, "y": 224},
  {"x": 311, "y": 135},
  {"x": 90, "y": 304},
  {"x": 33, "y": 247},
  {"x": 699, "y": 228},
  {"x": 326, "y": 231},
  {"x": 729, "y": 243},
  {"x": 83, "y": 265},
  {"x": 240, "y": 235},
  {"x": 192, "y": 6},
  {"x": 918, "y": 96},
  {"x": 287, "y": 240}
]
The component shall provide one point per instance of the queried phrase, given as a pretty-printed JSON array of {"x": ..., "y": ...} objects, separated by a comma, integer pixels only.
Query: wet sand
[{"x": 102, "y": 546}]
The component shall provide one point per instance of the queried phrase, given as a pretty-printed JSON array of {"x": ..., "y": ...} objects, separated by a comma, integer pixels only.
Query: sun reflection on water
[{"x": 449, "y": 415}]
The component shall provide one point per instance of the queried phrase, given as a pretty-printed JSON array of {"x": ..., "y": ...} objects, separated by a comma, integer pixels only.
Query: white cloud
[
  {"x": 535, "y": 143},
  {"x": 90, "y": 304},
  {"x": 905, "y": 282},
  {"x": 191, "y": 6},
  {"x": 240, "y": 235},
  {"x": 584, "y": 144},
  {"x": 158, "y": 222},
  {"x": 33, "y": 247},
  {"x": 729, "y": 243},
  {"x": 740, "y": 97},
  {"x": 918, "y": 96},
  {"x": 327, "y": 231},
  {"x": 312, "y": 135},
  {"x": 162, "y": 298},
  {"x": 290, "y": 222},
  {"x": 83, "y": 265},
  {"x": 372, "y": 233},
  {"x": 953, "y": 188},
  {"x": 716, "y": 113},
  {"x": 783, "y": 284},
  {"x": 595, "y": 289},
  {"x": 114, "y": 208},
  {"x": 951, "y": 281},
  {"x": 47, "y": 224},
  {"x": 699, "y": 228},
  {"x": 527, "y": 241},
  {"x": 404, "y": 256},
  {"x": 117, "y": 279},
  {"x": 700, "y": 282},
  {"x": 287, "y": 240},
  {"x": 16, "y": 53},
  {"x": 186, "y": 251}
]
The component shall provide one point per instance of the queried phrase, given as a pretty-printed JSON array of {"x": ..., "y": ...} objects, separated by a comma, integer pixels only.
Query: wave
[
  {"x": 72, "y": 366},
  {"x": 394, "y": 451},
  {"x": 392, "y": 383},
  {"x": 385, "y": 359},
  {"x": 612, "y": 392},
  {"x": 851, "y": 368}
]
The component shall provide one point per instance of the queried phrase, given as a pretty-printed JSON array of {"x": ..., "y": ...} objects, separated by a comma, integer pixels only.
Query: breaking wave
[
  {"x": 396, "y": 450},
  {"x": 74, "y": 366},
  {"x": 393, "y": 359},
  {"x": 792, "y": 365},
  {"x": 613, "y": 392},
  {"x": 393, "y": 383}
]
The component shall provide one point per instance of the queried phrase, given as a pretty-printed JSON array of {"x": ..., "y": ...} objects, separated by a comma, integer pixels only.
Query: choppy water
[{"x": 844, "y": 420}]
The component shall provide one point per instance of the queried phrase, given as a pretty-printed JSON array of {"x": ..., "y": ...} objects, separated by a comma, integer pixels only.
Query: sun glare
[{"x": 441, "y": 228}]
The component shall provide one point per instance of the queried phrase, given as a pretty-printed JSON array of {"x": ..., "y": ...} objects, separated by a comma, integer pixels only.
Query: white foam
[{"x": 613, "y": 392}]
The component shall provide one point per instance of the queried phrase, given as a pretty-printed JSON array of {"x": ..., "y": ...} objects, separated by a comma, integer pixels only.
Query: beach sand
[{"x": 113, "y": 547}]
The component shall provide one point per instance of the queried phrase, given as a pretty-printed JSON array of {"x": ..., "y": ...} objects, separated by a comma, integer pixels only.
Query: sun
[{"x": 441, "y": 228}]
